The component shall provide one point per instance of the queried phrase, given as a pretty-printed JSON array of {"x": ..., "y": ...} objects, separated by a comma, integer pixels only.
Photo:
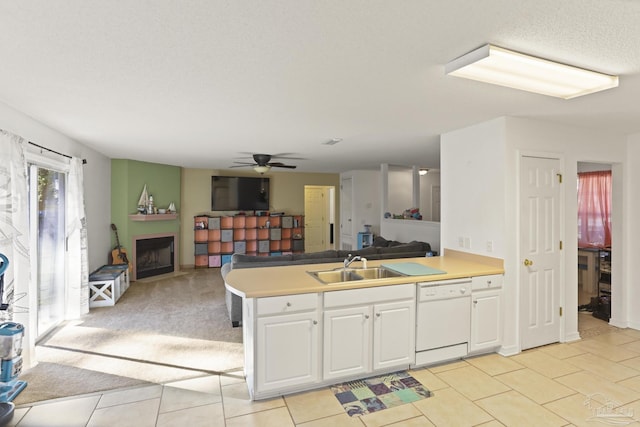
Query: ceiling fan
[{"x": 263, "y": 162}]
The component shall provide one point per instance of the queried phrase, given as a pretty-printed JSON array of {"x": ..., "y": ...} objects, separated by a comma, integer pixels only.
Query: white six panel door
[{"x": 539, "y": 251}]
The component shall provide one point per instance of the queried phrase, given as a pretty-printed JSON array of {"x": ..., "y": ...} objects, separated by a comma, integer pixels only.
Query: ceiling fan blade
[
  {"x": 286, "y": 156},
  {"x": 280, "y": 165}
]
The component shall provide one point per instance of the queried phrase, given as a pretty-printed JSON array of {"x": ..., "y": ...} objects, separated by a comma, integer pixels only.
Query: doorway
[
  {"x": 47, "y": 206},
  {"x": 319, "y": 213},
  {"x": 595, "y": 213}
]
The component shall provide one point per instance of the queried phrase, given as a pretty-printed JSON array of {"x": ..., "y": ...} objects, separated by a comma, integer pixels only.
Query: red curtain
[{"x": 594, "y": 209}]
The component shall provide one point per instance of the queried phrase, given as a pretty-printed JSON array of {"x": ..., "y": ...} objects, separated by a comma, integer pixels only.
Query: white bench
[{"x": 107, "y": 284}]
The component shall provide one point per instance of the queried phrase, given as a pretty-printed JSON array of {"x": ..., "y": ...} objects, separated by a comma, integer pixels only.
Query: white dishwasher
[{"x": 443, "y": 320}]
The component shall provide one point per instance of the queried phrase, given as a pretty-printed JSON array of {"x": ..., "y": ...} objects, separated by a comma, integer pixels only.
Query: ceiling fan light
[
  {"x": 493, "y": 64},
  {"x": 262, "y": 169}
]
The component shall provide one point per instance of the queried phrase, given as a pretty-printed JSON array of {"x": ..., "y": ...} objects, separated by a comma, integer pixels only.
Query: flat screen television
[{"x": 239, "y": 193}]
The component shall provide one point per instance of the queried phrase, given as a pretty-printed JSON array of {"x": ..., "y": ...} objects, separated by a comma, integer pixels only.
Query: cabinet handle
[
  {"x": 377, "y": 314},
  {"x": 315, "y": 322},
  {"x": 366, "y": 316},
  {"x": 288, "y": 304}
]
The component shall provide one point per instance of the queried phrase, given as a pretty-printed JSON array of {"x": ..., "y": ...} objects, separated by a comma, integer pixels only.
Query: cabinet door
[
  {"x": 287, "y": 351},
  {"x": 347, "y": 342},
  {"x": 393, "y": 334},
  {"x": 486, "y": 321}
]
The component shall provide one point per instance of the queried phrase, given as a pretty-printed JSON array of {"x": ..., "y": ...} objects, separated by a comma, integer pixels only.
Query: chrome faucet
[{"x": 348, "y": 260}]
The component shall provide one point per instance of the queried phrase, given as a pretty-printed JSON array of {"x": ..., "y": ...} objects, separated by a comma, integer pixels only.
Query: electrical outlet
[
  {"x": 461, "y": 241},
  {"x": 489, "y": 245},
  {"x": 467, "y": 242}
]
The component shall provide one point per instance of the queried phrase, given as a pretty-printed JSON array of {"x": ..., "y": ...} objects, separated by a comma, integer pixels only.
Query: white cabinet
[
  {"x": 486, "y": 313},
  {"x": 367, "y": 330},
  {"x": 347, "y": 342},
  {"x": 394, "y": 334},
  {"x": 287, "y": 350},
  {"x": 284, "y": 335}
]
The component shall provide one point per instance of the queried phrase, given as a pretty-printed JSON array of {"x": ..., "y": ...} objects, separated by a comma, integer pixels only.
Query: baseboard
[
  {"x": 618, "y": 324},
  {"x": 573, "y": 336},
  {"x": 510, "y": 350}
]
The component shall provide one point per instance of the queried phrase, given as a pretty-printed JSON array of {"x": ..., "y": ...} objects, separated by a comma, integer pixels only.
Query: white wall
[
  {"x": 97, "y": 176},
  {"x": 479, "y": 198},
  {"x": 472, "y": 176},
  {"x": 365, "y": 201},
  {"x": 631, "y": 294},
  {"x": 400, "y": 189}
]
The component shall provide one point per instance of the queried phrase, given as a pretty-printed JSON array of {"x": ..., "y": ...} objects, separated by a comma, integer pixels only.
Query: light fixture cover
[
  {"x": 262, "y": 169},
  {"x": 496, "y": 65}
]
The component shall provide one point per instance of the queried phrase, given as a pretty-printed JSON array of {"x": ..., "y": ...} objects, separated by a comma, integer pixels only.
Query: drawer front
[
  {"x": 287, "y": 304},
  {"x": 493, "y": 281},
  {"x": 369, "y": 295}
]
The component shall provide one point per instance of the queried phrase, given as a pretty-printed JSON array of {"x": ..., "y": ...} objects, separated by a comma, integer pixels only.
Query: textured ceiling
[{"x": 198, "y": 83}]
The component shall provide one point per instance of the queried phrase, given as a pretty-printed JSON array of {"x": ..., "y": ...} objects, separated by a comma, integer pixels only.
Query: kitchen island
[{"x": 300, "y": 333}]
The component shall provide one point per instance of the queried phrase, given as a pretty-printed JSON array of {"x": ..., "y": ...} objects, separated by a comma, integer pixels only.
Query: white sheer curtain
[
  {"x": 14, "y": 223},
  {"x": 77, "y": 253}
]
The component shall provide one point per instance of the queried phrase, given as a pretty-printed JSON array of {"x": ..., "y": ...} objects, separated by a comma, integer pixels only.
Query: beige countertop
[{"x": 294, "y": 279}]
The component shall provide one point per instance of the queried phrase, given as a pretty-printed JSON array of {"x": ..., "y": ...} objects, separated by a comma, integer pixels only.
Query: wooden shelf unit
[{"x": 216, "y": 238}]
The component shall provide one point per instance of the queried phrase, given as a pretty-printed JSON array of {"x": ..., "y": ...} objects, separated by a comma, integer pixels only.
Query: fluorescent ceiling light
[
  {"x": 492, "y": 64},
  {"x": 423, "y": 171},
  {"x": 262, "y": 169}
]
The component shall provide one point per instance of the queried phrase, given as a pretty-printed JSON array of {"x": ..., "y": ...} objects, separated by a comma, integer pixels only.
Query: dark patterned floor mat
[{"x": 377, "y": 393}]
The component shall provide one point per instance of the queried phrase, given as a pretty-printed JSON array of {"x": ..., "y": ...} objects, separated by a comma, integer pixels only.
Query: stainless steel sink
[
  {"x": 341, "y": 275},
  {"x": 335, "y": 276},
  {"x": 376, "y": 273}
]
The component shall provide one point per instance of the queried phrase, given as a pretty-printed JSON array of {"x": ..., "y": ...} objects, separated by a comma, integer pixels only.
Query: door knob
[{"x": 528, "y": 263}]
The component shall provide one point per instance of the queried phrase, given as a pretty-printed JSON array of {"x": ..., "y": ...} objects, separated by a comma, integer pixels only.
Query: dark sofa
[{"x": 381, "y": 249}]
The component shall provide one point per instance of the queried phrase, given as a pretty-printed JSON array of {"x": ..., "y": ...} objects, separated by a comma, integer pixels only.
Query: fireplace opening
[{"x": 154, "y": 256}]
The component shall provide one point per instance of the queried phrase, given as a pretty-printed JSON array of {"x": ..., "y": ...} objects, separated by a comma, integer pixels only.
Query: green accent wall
[{"x": 128, "y": 178}]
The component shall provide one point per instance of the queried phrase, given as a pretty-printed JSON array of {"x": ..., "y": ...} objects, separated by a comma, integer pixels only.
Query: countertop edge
[{"x": 294, "y": 279}]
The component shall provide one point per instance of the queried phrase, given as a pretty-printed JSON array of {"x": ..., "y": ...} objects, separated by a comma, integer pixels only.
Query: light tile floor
[{"x": 546, "y": 386}]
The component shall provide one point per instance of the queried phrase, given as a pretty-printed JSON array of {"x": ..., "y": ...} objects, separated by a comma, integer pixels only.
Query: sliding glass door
[{"x": 47, "y": 193}]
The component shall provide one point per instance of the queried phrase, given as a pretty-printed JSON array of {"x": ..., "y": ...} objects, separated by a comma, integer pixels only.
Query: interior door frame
[
  {"x": 347, "y": 232},
  {"x": 562, "y": 237}
]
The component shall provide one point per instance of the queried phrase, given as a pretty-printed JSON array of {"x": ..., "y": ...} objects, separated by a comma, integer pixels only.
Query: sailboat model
[{"x": 143, "y": 201}]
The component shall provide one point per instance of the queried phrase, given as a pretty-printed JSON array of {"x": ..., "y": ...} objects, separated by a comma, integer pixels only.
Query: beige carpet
[{"x": 162, "y": 330}]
